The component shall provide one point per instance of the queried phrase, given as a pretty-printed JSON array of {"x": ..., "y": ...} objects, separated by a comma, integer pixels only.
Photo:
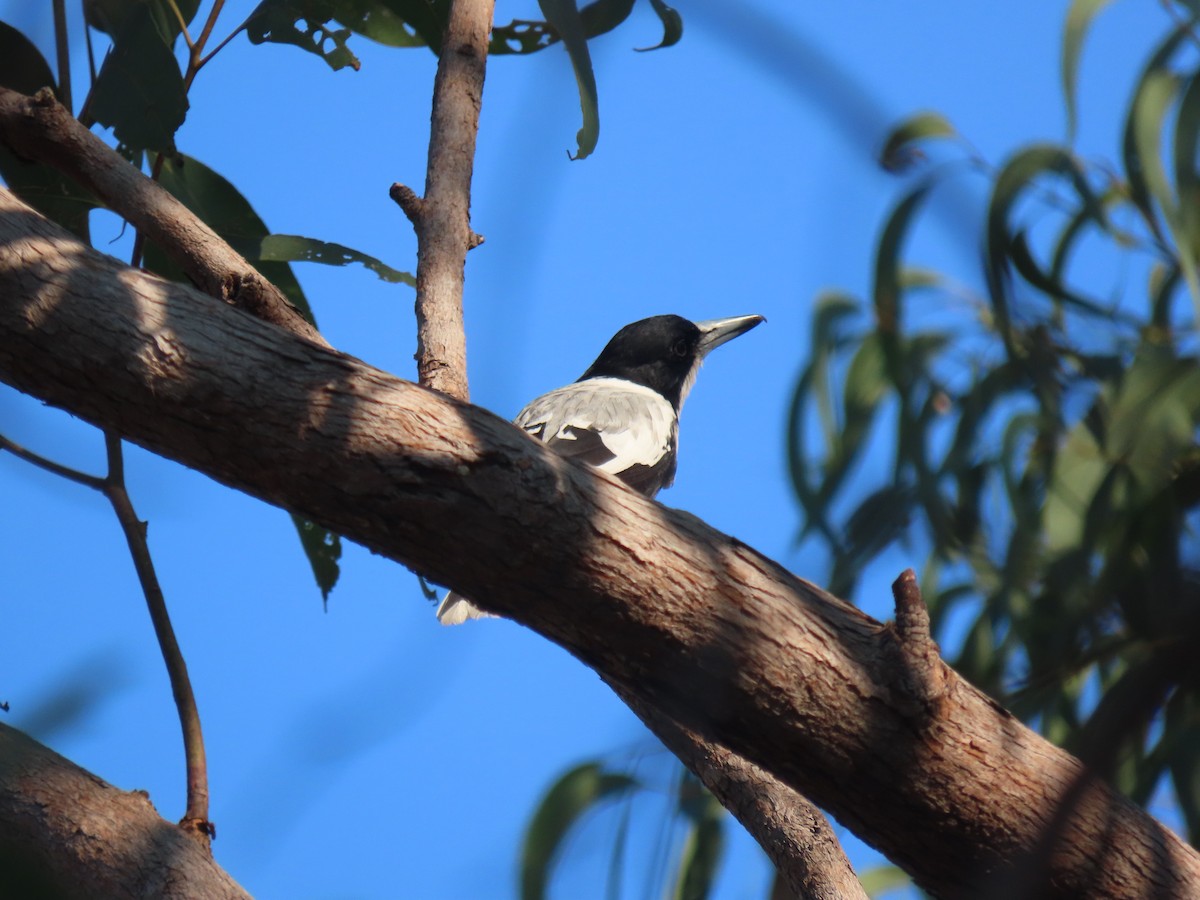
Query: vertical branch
[
  {"x": 62, "y": 49},
  {"x": 442, "y": 218},
  {"x": 195, "y": 819}
]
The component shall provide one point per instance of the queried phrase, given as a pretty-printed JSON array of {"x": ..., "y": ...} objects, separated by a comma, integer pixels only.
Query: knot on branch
[
  {"x": 416, "y": 208},
  {"x": 409, "y": 201},
  {"x": 918, "y": 675}
]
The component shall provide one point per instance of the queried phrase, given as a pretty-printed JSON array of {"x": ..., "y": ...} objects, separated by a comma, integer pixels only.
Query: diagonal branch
[
  {"x": 40, "y": 128},
  {"x": 689, "y": 621}
]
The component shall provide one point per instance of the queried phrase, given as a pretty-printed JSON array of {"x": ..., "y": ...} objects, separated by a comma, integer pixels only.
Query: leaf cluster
[{"x": 1042, "y": 425}]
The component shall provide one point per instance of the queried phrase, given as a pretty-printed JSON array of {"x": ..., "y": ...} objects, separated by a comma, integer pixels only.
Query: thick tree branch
[
  {"x": 67, "y": 835},
  {"x": 689, "y": 621},
  {"x": 442, "y": 218},
  {"x": 40, "y": 128}
]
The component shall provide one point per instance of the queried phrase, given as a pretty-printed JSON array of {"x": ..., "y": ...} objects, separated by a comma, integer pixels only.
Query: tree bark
[
  {"x": 442, "y": 218},
  {"x": 66, "y": 835},
  {"x": 41, "y": 128},
  {"x": 859, "y": 716}
]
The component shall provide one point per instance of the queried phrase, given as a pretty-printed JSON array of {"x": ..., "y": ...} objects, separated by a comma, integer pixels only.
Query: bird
[{"x": 622, "y": 414}]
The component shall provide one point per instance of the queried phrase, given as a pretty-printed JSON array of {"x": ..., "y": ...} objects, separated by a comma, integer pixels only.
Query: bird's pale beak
[{"x": 715, "y": 332}]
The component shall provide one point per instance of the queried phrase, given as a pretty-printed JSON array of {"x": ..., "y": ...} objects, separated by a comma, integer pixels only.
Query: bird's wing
[{"x": 625, "y": 429}]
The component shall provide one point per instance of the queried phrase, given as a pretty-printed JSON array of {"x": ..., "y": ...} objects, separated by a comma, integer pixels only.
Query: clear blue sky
[{"x": 366, "y": 752}]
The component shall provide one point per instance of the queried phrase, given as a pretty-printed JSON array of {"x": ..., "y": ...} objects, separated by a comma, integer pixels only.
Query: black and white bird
[{"x": 622, "y": 415}]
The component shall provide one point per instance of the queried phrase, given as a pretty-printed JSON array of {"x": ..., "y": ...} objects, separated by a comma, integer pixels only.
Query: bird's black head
[{"x": 664, "y": 352}]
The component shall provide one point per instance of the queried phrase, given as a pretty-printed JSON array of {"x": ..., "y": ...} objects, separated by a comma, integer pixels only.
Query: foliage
[
  {"x": 691, "y": 849},
  {"x": 1044, "y": 429},
  {"x": 312, "y": 26}
]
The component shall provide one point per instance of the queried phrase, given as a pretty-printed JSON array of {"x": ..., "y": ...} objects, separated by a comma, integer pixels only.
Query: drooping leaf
[
  {"x": 888, "y": 282},
  {"x": 704, "y": 843},
  {"x": 293, "y": 248},
  {"x": 1017, "y": 174},
  {"x": 139, "y": 92},
  {"x": 1079, "y": 19},
  {"x": 564, "y": 17},
  {"x": 22, "y": 68},
  {"x": 672, "y": 23},
  {"x": 1187, "y": 178},
  {"x": 564, "y": 804},
  {"x": 323, "y": 549},
  {"x": 899, "y": 151}
]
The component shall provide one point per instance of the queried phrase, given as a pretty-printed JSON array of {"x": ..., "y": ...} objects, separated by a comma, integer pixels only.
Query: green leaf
[
  {"x": 139, "y": 92},
  {"x": 22, "y": 68},
  {"x": 703, "y": 846},
  {"x": 323, "y": 549},
  {"x": 293, "y": 248},
  {"x": 1144, "y": 126},
  {"x": 899, "y": 150},
  {"x": 564, "y": 17},
  {"x": 879, "y": 880},
  {"x": 568, "y": 799},
  {"x": 888, "y": 282},
  {"x": 223, "y": 208},
  {"x": 672, "y": 26},
  {"x": 1153, "y": 418},
  {"x": 1014, "y": 177},
  {"x": 110, "y": 16},
  {"x": 1079, "y": 19},
  {"x": 276, "y": 21}
]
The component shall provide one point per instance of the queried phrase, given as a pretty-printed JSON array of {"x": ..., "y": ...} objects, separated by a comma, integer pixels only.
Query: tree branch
[
  {"x": 794, "y": 833},
  {"x": 66, "y": 834},
  {"x": 692, "y": 623},
  {"x": 442, "y": 219},
  {"x": 37, "y": 126},
  {"x": 195, "y": 819},
  {"x": 40, "y": 128}
]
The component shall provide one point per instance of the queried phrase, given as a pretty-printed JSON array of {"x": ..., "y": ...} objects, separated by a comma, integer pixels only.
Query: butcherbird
[{"x": 622, "y": 415}]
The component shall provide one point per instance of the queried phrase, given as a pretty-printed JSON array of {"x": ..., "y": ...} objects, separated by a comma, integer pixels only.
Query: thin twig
[
  {"x": 49, "y": 465},
  {"x": 62, "y": 49},
  {"x": 195, "y": 819},
  {"x": 112, "y": 486}
]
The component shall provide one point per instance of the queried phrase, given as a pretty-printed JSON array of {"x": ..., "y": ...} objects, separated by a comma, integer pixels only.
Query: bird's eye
[{"x": 680, "y": 348}]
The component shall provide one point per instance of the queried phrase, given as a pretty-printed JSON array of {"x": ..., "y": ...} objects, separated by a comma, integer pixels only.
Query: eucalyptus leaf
[
  {"x": 899, "y": 151},
  {"x": 139, "y": 92},
  {"x": 577, "y": 792},
  {"x": 323, "y": 549},
  {"x": 563, "y": 16},
  {"x": 293, "y": 248},
  {"x": 1079, "y": 20}
]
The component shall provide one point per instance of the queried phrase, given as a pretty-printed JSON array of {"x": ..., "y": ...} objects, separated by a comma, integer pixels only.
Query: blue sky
[{"x": 364, "y": 751}]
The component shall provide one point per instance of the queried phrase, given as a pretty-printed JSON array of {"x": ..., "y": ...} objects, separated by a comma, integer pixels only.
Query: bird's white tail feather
[{"x": 456, "y": 609}]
